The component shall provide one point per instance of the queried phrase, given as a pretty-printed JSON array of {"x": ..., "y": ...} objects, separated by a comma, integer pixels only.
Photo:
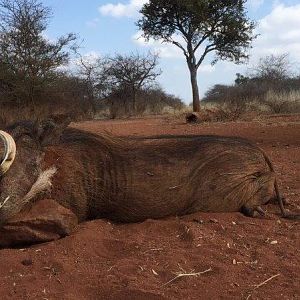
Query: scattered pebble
[
  {"x": 27, "y": 262},
  {"x": 155, "y": 273},
  {"x": 198, "y": 221},
  {"x": 213, "y": 221}
]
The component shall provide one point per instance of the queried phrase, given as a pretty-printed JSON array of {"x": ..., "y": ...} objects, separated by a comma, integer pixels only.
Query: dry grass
[
  {"x": 283, "y": 102},
  {"x": 10, "y": 114}
]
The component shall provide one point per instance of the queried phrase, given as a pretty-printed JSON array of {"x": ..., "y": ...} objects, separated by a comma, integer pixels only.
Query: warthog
[{"x": 129, "y": 181}]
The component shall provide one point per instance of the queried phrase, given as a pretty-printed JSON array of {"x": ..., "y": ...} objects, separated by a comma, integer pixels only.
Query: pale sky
[{"x": 107, "y": 27}]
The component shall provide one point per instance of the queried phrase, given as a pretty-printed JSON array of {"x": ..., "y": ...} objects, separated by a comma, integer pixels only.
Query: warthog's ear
[{"x": 51, "y": 129}]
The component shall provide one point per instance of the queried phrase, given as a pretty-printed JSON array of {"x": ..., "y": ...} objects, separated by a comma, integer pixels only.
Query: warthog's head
[{"x": 22, "y": 179}]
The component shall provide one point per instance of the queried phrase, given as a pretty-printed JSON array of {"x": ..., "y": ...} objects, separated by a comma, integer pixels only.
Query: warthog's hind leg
[{"x": 252, "y": 212}]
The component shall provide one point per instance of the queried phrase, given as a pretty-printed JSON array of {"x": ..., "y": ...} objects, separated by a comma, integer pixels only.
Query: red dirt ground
[{"x": 240, "y": 257}]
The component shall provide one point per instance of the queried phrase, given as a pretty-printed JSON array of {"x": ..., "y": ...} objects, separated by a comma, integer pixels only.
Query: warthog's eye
[{"x": 26, "y": 140}]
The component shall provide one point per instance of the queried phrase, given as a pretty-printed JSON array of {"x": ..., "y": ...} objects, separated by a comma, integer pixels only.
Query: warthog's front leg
[{"x": 45, "y": 221}]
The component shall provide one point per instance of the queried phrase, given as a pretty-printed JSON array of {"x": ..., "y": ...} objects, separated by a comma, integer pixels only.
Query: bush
[
  {"x": 283, "y": 102},
  {"x": 151, "y": 101},
  {"x": 66, "y": 96},
  {"x": 272, "y": 87},
  {"x": 256, "y": 96}
]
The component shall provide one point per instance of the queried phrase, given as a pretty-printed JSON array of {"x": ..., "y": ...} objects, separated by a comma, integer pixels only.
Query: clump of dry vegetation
[
  {"x": 125, "y": 86},
  {"x": 36, "y": 81},
  {"x": 32, "y": 83},
  {"x": 150, "y": 101},
  {"x": 271, "y": 88}
]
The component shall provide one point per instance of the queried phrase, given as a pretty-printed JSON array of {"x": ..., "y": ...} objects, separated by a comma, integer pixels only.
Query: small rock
[
  {"x": 213, "y": 221},
  {"x": 198, "y": 221},
  {"x": 45, "y": 221},
  {"x": 27, "y": 262}
]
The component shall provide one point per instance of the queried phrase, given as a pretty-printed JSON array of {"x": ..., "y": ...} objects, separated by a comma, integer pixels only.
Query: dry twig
[
  {"x": 154, "y": 249},
  {"x": 187, "y": 275},
  {"x": 261, "y": 284},
  {"x": 264, "y": 282}
]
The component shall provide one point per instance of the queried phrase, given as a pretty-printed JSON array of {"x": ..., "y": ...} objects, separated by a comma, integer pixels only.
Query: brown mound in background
[{"x": 240, "y": 258}]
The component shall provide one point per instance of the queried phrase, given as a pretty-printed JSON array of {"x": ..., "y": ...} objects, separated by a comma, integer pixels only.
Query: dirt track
[{"x": 139, "y": 261}]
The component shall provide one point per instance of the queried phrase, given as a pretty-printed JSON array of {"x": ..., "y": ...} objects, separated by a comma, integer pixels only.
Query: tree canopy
[
  {"x": 200, "y": 27},
  {"x": 28, "y": 59}
]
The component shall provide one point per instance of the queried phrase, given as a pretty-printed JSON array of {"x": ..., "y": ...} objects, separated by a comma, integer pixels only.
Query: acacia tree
[
  {"x": 91, "y": 71},
  {"x": 273, "y": 68},
  {"x": 132, "y": 72},
  {"x": 28, "y": 60},
  {"x": 119, "y": 77},
  {"x": 204, "y": 26}
]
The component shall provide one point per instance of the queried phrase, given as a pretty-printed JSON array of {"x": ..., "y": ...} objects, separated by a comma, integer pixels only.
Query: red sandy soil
[{"x": 240, "y": 257}]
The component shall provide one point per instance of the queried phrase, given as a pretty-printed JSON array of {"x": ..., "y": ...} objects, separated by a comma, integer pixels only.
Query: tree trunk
[
  {"x": 134, "y": 108},
  {"x": 32, "y": 98},
  {"x": 195, "y": 89}
]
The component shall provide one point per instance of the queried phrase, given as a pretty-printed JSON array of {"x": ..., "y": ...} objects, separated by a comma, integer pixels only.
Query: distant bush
[
  {"x": 253, "y": 96},
  {"x": 150, "y": 101},
  {"x": 283, "y": 102},
  {"x": 271, "y": 88},
  {"x": 32, "y": 85},
  {"x": 66, "y": 96}
]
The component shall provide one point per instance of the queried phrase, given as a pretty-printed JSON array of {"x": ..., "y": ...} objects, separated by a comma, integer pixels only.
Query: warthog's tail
[{"x": 276, "y": 188}]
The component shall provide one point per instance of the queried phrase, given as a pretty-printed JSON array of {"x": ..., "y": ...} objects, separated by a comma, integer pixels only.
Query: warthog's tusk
[
  {"x": 3, "y": 203},
  {"x": 42, "y": 184},
  {"x": 9, "y": 152}
]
